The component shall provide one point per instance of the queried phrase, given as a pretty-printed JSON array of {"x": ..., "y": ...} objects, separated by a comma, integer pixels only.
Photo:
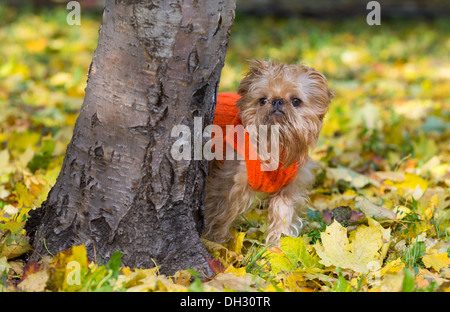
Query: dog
[{"x": 292, "y": 99}]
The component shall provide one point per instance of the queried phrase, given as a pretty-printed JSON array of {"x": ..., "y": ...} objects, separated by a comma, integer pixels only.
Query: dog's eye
[
  {"x": 263, "y": 101},
  {"x": 296, "y": 102}
]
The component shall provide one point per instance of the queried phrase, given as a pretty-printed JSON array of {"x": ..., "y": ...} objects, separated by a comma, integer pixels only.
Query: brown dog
[{"x": 295, "y": 99}]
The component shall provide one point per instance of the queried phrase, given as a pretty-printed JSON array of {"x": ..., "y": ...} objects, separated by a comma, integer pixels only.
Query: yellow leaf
[
  {"x": 37, "y": 45},
  {"x": 393, "y": 282},
  {"x": 401, "y": 211},
  {"x": 294, "y": 248},
  {"x": 141, "y": 282},
  {"x": 4, "y": 265},
  {"x": 236, "y": 271},
  {"x": 294, "y": 283},
  {"x": 274, "y": 288},
  {"x": 126, "y": 271},
  {"x": 3, "y": 192},
  {"x": 369, "y": 246},
  {"x": 133, "y": 278},
  {"x": 413, "y": 184},
  {"x": 431, "y": 206},
  {"x": 229, "y": 281},
  {"x": 182, "y": 277},
  {"x": 5, "y": 168},
  {"x": 34, "y": 282},
  {"x": 236, "y": 241},
  {"x": 279, "y": 263},
  {"x": 219, "y": 251},
  {"x": 68, "y": 262},
  {"x": 23, "y": 196},
  {"x": 71, "y": 120},
  {"x": 19, "y": 141},
  {"x": 4, "y": 158},
  {"x": 60, "y": 79},
  {"x": 25, "y": 158},
  {"x": 440, "y": 170},
  {"x": 436, "y": 261},
  {"x": 10, "y": 210},
  {"x": 392, "y": 267},
  {"x": 420, "y": 280},
  {"x": 350, "y": 192}
]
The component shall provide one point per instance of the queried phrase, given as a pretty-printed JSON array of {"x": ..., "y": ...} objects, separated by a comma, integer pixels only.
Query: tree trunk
[{"x": 157, "y": 64}]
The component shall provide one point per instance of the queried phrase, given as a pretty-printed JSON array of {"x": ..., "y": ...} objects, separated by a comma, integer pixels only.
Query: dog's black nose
[{"x": 277, "y": 103}]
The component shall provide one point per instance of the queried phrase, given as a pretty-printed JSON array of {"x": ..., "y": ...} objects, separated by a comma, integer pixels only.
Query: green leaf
[
  {"x": 12, "y": 246},
  {"x": 435, "y": 124},
  {"x": 114, "y": 264},
  {"x": 42, "y": 159},
  {"x": 293, "y": 255},
  {"x": 196, "y": 286},
  {"x": 280, "y": 263},
  {"x": 20, "y": 141},
  {"x": 342, "y": 285},
  {"x": 4, "y": 267},
  {"x": 294, "y": 248},
  {"x": 408, "y": 281},
  {"x": 13, "y": 226}
]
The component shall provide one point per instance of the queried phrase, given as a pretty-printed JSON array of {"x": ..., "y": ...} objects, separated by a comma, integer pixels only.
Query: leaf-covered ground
[{"x": 378, "y": 218}]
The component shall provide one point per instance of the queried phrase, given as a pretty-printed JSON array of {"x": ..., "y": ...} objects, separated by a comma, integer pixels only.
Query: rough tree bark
[{"x": 157, "y": 64}]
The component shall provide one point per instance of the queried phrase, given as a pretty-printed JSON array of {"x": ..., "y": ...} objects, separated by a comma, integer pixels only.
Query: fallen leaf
[
  {"x": 342, "y": 214},
  {"x": 369, "y": 244},
  {"x": 392, "y": 267},
  {"x": 412, "y": 185},
  {"x": 236, "y": 241},
  {"x": 295, "y": 283},
  {"x": 37, "y": 45},
  {"x": 355, "y": 179},
  {"x": 4, "y": 265},
  {"x": 294, "y": 248},
  {"x": 183, "y": 278},
  {"x": 219, "y": 251},
  {"x": 436, "y": 261},
  {"x": 16, "y": 271},
  {"x": 389, "y": 175},
  {"x": 215, "y": 265},
  {"x": 35, "y": 282},
  {"x": 12, "y": 245},
  {"x": 72, "y": 263},
  {"x": 428, "y": 211},
  {"x": 291, "y": 254},
  {"x": 230, "y": 281},
  {"x": 401, "y": 211},
  {"x": 374, "y": 211},
  {"x": 236, "y": 271}
]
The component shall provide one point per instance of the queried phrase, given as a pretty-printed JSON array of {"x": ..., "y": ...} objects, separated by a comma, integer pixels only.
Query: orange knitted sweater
[{"x": 262, "y": 181}]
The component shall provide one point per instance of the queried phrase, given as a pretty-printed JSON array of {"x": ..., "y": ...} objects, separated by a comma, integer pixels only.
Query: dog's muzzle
[{"x": 277, "y": 105}]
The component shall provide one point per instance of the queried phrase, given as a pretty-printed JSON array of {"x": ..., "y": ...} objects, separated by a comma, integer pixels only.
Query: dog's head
[{"x": 296, "y": 98}]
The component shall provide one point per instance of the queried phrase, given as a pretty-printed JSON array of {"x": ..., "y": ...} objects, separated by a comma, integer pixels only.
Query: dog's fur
[{"x": 228, "y": 192}]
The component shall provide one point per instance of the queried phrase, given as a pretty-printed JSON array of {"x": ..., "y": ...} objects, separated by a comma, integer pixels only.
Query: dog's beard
[{"x": 295, "y": 135}]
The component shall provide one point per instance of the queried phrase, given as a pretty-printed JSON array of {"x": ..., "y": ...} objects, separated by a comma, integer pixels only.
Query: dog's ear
[
  {"x": 256, "y": 69},
  {"x": 320, "y": 84},
  {"x": 319, "y": 91}
]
